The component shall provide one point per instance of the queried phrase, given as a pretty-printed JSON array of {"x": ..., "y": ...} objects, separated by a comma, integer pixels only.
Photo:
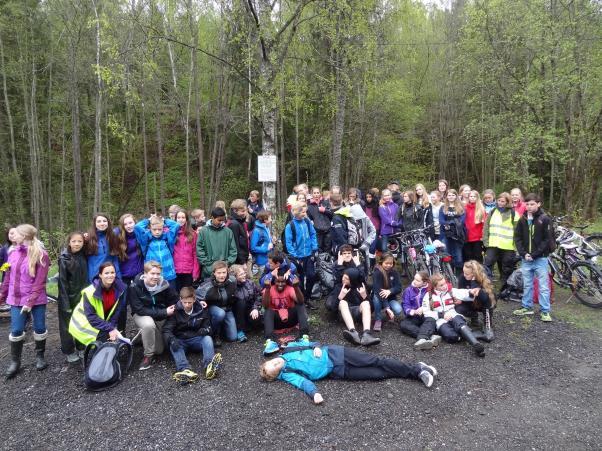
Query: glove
[{"x": 175, "y": 344}]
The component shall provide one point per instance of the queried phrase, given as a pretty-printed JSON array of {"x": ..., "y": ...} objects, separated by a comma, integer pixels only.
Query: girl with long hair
[
  {"x": 474, "y": 278},
  {"x": 473, "y": 221},
  {"x": 184, "y": 254},
  {"x": 453, "y": 228},
  {"x": 102, "y": 245}
]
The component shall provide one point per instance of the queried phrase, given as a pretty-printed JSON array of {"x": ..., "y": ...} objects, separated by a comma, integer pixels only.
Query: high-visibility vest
[
  {"x": 501, "y": 232},
  {"x": 79, "y": 327}
]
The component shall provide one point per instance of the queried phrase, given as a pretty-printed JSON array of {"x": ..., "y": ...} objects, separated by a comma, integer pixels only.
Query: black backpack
[
  {"x": 293, "y": 232},
  {"x": 103, "y": 364}
]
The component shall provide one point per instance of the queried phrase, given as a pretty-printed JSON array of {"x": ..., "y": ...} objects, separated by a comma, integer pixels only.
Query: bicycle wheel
[
  {"x": 595, "y": 240},
  {"x": 587, "y": 280},
  {"x": 448, "y": 272},
  {"x": 561, "y": 272}
]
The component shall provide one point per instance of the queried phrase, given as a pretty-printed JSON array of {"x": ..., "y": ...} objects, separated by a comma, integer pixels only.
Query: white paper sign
[{"x": 267, "y": 169}]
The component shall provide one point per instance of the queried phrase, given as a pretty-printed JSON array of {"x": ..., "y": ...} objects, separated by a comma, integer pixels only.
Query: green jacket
[{"x": 213, "y": 245}]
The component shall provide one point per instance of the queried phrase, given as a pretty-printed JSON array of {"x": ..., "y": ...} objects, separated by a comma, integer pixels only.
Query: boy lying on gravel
[{"x": 302, "y": 362}]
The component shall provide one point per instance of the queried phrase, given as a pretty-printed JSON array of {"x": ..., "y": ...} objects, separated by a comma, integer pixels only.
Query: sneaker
[
  {"x": 423, "y": 344},
  {"x": 427, "y": 378},
  {"x": 378, "y": 325},
  {"x": 429, "y": 368},
  {"x": 436, "y": 340},
  {"x": 213, "y": 367},
  {"x": 352, "y": 336},
  {"x": 523, "y": 311},
  {"x": 270, "y": 347},
  {"x": 147, "y": 362},
  {"x": 545, "y": 317},
  {"x": 304, "y": 338},
  {"x": 241, "y": 337},
  {"x": 368, "y": 339},
  {"x": 73, "y": 357},
  {"x": 186, "y": 376}
]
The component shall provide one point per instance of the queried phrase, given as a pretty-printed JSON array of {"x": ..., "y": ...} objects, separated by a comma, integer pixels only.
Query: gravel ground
[{"x": 537, "y": 388}]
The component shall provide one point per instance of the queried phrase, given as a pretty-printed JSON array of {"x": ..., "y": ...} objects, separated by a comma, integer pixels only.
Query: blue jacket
[
  {"x": 102, "y": 255},
  {"x": 159, "y": 249},
  {"x": 301, "y": 368},
  {"x": 306, "y": 242},
  {"x": 260, "y": 242}
]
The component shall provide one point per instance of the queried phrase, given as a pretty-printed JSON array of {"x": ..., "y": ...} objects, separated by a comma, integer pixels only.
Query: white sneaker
[
  {"x": 435, "y": 339},
  {"x": 423, "y": 344},
  {"x": 73, "y": 357}
]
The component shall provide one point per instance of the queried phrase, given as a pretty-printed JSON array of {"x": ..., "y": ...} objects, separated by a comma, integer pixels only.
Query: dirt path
[{"x": 539, "y": 387}]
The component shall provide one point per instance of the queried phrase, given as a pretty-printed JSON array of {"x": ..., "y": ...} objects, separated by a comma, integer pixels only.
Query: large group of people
[{"x": 188, "y": 282}]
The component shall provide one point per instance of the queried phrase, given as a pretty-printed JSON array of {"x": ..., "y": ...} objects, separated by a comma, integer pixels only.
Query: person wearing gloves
[
  {"x": 152, "y": 301},
  {"x": 303, "y": 362}
]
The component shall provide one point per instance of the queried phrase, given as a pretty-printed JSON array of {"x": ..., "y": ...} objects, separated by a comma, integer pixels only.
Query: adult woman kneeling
[
  {"x": 152, "y": 300},
  {"x": 96, "y": 315}
]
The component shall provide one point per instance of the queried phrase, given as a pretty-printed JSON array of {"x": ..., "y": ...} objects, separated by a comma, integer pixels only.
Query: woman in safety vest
[
  {"x": 498, "y": 237},
  {"x": 96, "y": 315}
]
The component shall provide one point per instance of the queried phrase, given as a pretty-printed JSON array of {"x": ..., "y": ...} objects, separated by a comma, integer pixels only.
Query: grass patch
[
  {"x": 577, "y": 314},
  {"x": 52, "y": 288}
]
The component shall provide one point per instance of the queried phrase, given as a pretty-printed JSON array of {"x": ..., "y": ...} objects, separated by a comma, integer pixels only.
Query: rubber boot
[
  {"x": 16, "y": 350},
  {"x": 40, "y": 340},
  {"x": 467, "y": 334}
]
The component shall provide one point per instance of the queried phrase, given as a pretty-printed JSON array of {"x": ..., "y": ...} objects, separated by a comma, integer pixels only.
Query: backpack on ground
[
  {"x": 325, "y": 272},
  {"x": 105, "y": 364}
]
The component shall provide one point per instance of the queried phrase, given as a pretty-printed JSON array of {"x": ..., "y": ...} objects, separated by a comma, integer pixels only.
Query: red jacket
[{"x": 474, "y": 232}]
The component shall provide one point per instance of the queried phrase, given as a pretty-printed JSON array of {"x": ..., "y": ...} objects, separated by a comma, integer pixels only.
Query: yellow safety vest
[
  {"x": 501, "y": 232},
  {"x": 79, "y": 327}
]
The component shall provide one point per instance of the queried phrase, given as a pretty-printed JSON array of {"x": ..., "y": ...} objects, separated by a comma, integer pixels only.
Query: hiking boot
[
  {"x": 436, "y": 340},
  {"x": 427, "y": 378},
  {"x": 146, "y": 363},
  {"x": 241, "y": 337},
  {"x": 429, "y": 368},
  {"x": 73, "y": 357},
  {"x": 270, "y": 347},
  {"x": 16, "y": 349},
  {"x": 213, "y": 367},
  {"x": 352, "y": 336},
  {"x": 423, "y": 344},
  {"x": 545, "y": 317},
  {"x": 378, "y": 325},
  {"x": 523, "y": 311},
  {"x": 186, "y": 376},
  {"x": 368, "y": 339}
]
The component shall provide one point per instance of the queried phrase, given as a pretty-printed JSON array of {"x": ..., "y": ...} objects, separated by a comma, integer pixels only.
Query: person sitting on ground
[
  {"x": 97, "y": 313},
  {"x": 189, "y": 329},
  {"x": 484, "y": 300},
  {"x": 439, "y": 304},
  {"x": 414, "y": 314},
  {"x": 353, "y": 303},
  {"x": 217, "y": 293},
  {"x": 152, "y": 301},
  {"x": 277, "y": 260},
  {"x": 215, "y": 242},
  {"x": 284, "y": 307},
  {"x": 347, "y": 258},
  {"x": 386, "y": 286},
  {"x": 303, "y": 362},
  {"x": 248, "y": 304}
]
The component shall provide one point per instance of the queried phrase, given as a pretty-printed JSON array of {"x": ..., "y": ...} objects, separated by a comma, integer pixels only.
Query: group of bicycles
[{"x": 573, "y": 264}]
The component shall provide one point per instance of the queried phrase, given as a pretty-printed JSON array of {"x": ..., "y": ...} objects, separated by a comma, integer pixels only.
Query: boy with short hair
[
  {"x": 215, "y": 242},
  {"x": 532, "y": 236}
]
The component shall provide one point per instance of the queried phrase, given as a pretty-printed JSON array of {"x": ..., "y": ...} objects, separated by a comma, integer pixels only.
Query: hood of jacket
[
  {"x": 357, "y": 212},
  {"x": 161, "y": 286},
  {"x": 345, "y": 211}
]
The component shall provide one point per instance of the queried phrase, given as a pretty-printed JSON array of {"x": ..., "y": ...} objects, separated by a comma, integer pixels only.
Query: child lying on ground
[{"x": 303, "y": 362}]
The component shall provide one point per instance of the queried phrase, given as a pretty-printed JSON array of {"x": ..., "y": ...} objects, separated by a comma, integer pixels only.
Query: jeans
[
  {"x": 18, "y": 320},
  {"x": 384, "y": 243},
  {"x": 202, "y": 344},
  {"x": 536, "y": 268},
  {"x": 225, "y": 318},
  {"x": 379, "y": 304},
  {"x": 454, "y": 248}
]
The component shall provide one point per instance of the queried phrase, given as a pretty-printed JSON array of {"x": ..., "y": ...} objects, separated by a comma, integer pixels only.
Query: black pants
[
  {"x": 68, "y": 343},
  {"x": 505, "y": 259},
  {"x": 324, "y": 241},
  {"x": 122, "y": 321},
  {"x": 307, "y": 274},
  {"x": 363, "y": 366},
  {"x": 470, "y": 309},
  {"x": 450, "y": 331},
  {"x": 296, "y": 315},
  {"x": 242, "y": 315},
  {"x": 427, "y": 329},
  {"x": 473, "y": 251},
  {"x": 183, "y": 280},
  {"x": 411, "y": 325}
]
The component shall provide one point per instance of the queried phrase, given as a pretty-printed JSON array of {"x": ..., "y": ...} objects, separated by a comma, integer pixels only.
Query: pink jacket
[
  {"x": 19, "y": 288},
  {"x": 184, "y": 255}
]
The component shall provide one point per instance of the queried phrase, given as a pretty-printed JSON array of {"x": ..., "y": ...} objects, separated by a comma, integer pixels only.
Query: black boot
[
  {"x": 467, "y": 334},
  {"x": 16, "y": 349},
  {"x": 40, "y": 341}
]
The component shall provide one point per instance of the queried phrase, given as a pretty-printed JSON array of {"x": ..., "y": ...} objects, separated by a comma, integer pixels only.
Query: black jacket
[
  {"x": 73, "y": 278},
  {"x": 241, "y": 236},
  {"x": 182, "y": 326},
  {"x": 213, "y": 293},
  {"x": 534, "y": 239},
  {"x": 321, "y": 220},
  {"x": 143, "y": 303}
]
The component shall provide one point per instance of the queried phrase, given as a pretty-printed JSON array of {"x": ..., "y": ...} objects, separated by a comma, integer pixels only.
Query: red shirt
[
  {"x": 108, "y": 300},
  {"x": 474, "y": 232},
  {"x": 282, "y": 300}
]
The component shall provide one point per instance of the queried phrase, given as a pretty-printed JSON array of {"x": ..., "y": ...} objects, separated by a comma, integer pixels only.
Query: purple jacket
[
  {"x": 133, "y": 264},
  {"x": 388, "y": 213},
  {"x": 96, "y": 321},
  {"x": 19, "y": 288},
  {"x": 412, "y": 298}
]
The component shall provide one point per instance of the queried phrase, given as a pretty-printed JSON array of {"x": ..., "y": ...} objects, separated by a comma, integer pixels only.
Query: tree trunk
[
  {"x": 339, "y": 125},
  {"x": 98, "y": 118},
  {"x": 160, "y": 156}
]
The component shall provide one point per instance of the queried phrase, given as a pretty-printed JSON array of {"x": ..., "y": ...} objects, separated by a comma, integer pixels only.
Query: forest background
[{"x": 132, "y": 105}]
